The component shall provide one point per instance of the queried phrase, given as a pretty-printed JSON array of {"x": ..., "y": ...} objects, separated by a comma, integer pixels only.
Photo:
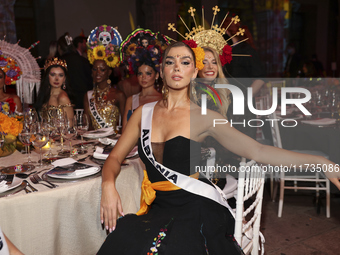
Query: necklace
[{"x": 101, "y": 95}]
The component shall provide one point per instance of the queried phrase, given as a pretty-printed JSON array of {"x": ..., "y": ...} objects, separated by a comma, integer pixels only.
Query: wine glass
[
  {"x": 69, "y": 132},
  {"x": 30, "y": 116},
  {"x": 49, "y": 124},
  {"x": 40, "y": 137},
  {"x": 82, "y": 125},
  {"x": 2, "y": 138},
  {"x": 59, "y": 122},
  {"x": 25, "y": 137}
]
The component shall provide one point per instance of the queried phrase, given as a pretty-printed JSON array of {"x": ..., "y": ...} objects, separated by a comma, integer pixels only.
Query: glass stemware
[
  {"x": 25, "y": 137},
  {"x": 82, "y": 125},
  {"x": 69, "y": 132},
  {"x": 2, "y": 138},
  {"x": 30, "y": 116},
  {"x": 40, "y": 137}
]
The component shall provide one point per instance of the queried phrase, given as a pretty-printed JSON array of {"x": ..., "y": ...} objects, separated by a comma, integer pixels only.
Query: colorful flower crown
[
  {"x": 212, "y": 37},
  {"x": 103, "y": 44},
  {"x": 55, "y": 62},
  {"x": 143, "y": 46},
  {"x": 10, "y": 68}
]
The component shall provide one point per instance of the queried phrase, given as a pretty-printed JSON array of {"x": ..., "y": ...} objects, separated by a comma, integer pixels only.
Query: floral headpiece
[
  {"x": 21, "y": 69},
  {"x": 55, "y": 62},
  {"x": 103, "y": 43},
  {"x": 211, "y": 37},
  {"x": 143, "y": 46},
  {"x": 10, "y": 67}
]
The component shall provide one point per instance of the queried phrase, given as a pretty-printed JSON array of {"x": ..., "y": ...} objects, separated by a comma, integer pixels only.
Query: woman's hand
[{"x": 109, "y": 205}]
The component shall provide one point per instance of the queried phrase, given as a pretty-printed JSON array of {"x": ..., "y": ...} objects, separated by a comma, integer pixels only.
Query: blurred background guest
[
  {"x": 249, "y": 67},
  {"x": 79, "y": 69},
  {"x": 104, "y": 104},
  {"x": 293, "y": 63},
  {"x": 80, "y": 44},
  {"x": 54, "y": 90}
]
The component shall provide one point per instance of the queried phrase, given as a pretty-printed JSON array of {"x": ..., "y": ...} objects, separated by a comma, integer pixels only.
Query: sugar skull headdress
[
  {"x": 103, "y": 43},
  {"x": 211, "y": 37},
  {"x": 143, "y": 46}
]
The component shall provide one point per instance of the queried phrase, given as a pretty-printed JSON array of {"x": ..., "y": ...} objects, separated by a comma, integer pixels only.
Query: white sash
[
  {"x": 93, "y": 110},
  {"x": 180, "y": 180}
]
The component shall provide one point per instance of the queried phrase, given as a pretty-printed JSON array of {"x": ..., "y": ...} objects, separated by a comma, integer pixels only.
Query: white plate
[
  {"x": 99, "y": 133},
  {"x": 70, "y": 176},
  {"x": 15, "y": 183},
  {"x": 107, "y": 141}
]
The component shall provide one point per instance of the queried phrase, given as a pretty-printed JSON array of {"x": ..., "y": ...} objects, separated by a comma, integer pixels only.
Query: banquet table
[
  {"x": 64, "y": 220},
  {"x": 310, "y": 137}
]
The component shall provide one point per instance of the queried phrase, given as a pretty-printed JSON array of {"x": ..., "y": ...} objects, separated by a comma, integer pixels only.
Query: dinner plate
[
  {"x": 99, "y": 133},
  {"x": 73, "y": 176},
  {"x": 78, "y": 145},
  {"x": 14, "y": 190},
  {"x": 45, "y": 177},
  {"x": 11, "y": 169},
  {"x": 15, "y": 183}
]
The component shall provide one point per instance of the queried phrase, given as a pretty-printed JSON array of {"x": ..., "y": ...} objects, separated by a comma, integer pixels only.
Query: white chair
[
  {"x": 250, "y": 185},
  {"x": 209, "y": 154},
  {"x": 320, "y": 183}
]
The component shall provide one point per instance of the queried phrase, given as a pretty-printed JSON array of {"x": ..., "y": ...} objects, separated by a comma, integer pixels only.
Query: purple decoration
[
  {"x": 11, "y": 73},
  {"x": 3, "y": 62}
]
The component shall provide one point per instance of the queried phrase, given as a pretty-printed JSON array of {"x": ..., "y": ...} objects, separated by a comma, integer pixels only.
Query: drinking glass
[
  {"x": 69, "y": 132},
  {"x": 30, "y": 116},
  {"x": 49, "y": 124},
  {"x": 2, "y": 138},
  {"x": 59, "y": 122},
  {"x": 82, "y": 125},
  {"x": 25, "y": 136},
  {"x": 40, "y": 137}
]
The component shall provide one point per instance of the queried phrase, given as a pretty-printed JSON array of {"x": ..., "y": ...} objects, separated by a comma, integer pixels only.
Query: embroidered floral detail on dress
[{"x": 157, "y": 240}]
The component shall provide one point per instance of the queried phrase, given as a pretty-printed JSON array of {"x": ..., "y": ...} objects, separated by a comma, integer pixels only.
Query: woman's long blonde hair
[{"x": 223, "y": 93}]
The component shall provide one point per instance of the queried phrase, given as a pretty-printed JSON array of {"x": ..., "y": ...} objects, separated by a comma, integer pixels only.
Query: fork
[
  {"x": 29, "y": 185},
  {"x": 38, "y": 178},
  {"x": 35, "y": 181}
]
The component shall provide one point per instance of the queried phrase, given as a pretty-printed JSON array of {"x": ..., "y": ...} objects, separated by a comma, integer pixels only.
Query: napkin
[
  {"x": 3, "y": 186},
  {"x": 102, "y": 132},
  {"x": 64, "y": 162},
  {"x": 100, "y": 153},
  {"x": 107, "y": 141},
  {"x": 325, "y": 121}
]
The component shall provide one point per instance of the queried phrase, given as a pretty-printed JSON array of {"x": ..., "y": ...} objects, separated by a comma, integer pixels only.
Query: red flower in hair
[
  {"x": 190, "y": 43},
  {"x": 11, "y": 103},
  {"x": 226, "y": 56}
]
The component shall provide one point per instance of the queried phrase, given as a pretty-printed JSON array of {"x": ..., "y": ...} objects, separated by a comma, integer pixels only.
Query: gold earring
[
  {"x": 165, "y": 92},
  {"x": 108, "y": 81}
]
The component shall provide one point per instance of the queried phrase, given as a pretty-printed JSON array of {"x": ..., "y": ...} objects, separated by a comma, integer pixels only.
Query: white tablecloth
[{"x": 64, "y": 220}]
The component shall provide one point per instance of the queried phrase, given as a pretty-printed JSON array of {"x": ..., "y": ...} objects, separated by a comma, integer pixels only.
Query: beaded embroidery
[{"x": 157, "y": 240}]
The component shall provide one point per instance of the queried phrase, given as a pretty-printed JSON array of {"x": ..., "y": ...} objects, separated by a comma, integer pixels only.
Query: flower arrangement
[{"x": 10, "y": 125}]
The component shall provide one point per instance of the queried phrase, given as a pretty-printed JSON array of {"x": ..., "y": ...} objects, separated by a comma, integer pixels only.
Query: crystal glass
[
  {"x": 82, "y": 125},
  {"x": 69, "y": 132},
  {"x": 49, "y": 125},
  {"x": 40, "y": 137},
  {"x": 26, "y": 138},
  {"x": 30, "y": 116},
  {"x": 59, "y": 121}
]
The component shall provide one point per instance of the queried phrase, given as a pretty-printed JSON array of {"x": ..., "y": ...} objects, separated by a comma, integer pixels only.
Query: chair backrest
[
  {"x": 208, "y": 154},
  {"x": 250, "y": 185},
  {"x": 275, "y": 130}
]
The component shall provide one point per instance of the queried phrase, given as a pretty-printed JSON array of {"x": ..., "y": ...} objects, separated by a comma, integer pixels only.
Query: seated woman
[
  {"x": 146, "y": 65},
  {"x": 104, "y": 103},
  {"x": 179, "y": 214},
  {"x": 53, "y": 93},
  {"x": 10, "y": 103}
]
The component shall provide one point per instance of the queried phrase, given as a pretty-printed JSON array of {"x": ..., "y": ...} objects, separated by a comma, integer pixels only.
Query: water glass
[
  {"x": 82, "y": 125},
  {"x": 40, "y": 137}
]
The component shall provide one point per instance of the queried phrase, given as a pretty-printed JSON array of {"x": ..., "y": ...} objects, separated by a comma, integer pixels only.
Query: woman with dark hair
[
  {"x": 145, "y": 65},
  {"x": 54, "y": 90}
]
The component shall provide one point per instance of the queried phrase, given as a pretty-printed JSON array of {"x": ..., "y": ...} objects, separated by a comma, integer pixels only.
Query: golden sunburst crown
[
  {"x": 55, "y": 62},
  {"x": 208, "y": 37}
]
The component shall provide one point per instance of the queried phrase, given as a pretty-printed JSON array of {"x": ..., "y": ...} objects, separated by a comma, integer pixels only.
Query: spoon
[{"x": 23, "y": 175}]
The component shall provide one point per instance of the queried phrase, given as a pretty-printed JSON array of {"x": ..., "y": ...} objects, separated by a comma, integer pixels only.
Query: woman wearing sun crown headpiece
[{"x": 104, "y": 103}]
